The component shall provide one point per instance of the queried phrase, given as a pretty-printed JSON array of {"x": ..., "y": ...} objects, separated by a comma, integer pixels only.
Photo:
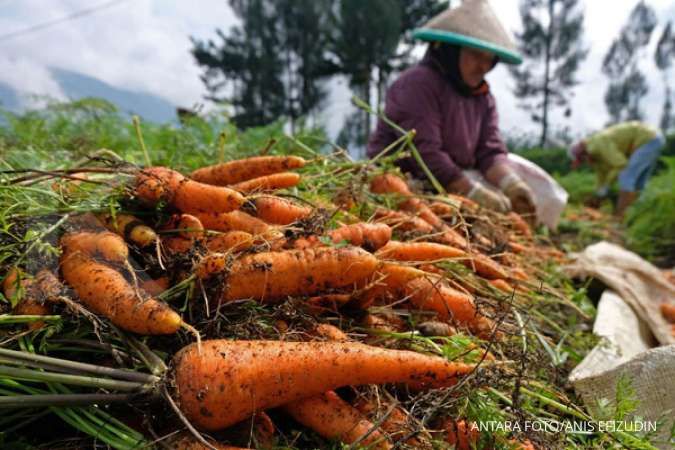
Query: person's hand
[
  {"x": 488, "y": 199},
  {"x": 520, "y": 195}
]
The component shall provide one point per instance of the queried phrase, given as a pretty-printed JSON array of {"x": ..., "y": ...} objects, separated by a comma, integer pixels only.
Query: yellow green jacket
[{"x": 611, "y": 148}]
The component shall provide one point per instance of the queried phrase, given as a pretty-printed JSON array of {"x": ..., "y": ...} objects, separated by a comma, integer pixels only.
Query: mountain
[{"x": 77, "y": 85}]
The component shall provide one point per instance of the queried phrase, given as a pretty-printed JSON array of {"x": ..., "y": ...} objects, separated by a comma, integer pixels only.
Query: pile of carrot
[{"x": 238, "y": 232}]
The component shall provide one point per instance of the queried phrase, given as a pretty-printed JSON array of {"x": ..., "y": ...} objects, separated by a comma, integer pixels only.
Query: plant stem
[
  {"x": 8, "y": 319},
  {"x": 137, "y": 126},
  {"x": 76, "y": 380},
  {"x": 78, "y": 366},
  {"x": 47, "y": 400}
]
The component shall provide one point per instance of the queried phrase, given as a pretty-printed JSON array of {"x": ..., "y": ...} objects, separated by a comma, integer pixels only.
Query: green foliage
[
  {"x": 580, "y": 185},
  {"x": 553, "y": 160},
  {"x": 651, "y": 220},
  {"x": 271, "y": 65}
]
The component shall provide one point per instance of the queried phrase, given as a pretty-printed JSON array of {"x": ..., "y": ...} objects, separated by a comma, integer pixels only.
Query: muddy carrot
[
  {"x": 278, "y": 210},
  {"x": 268, "y": 183},
  {"x": 370, "y": 236},
  {"x": 227, "y": 381},
  {"x": 246, "y": 169}
]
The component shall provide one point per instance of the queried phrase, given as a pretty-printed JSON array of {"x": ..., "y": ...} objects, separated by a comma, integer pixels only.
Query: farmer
[
  {"x": 627, "y": 151},
  {"x": 447, "y": 101}
]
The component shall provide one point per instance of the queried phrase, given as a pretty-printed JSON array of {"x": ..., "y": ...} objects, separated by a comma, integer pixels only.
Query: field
[{"x": 372, "y": 346}]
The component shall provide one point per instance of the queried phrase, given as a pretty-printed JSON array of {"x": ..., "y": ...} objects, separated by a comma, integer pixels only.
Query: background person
[
  {"x": 446, "y": 99},
  {"x": 628, "y": 151}
]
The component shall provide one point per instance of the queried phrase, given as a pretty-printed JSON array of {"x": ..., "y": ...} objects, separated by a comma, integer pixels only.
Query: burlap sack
[
  {"x": 636, "y": 281},
  {"x": 625, "y": 351}
]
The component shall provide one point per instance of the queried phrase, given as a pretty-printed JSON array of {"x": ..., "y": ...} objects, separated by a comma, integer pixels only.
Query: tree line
[{"x": 278, "y": 61}]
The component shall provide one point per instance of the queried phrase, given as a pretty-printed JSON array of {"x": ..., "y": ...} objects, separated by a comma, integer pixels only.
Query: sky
[{"x": 144, "y": 45}]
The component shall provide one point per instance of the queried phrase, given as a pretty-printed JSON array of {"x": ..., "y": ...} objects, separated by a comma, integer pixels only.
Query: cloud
[{"x": 29, "y": 78}]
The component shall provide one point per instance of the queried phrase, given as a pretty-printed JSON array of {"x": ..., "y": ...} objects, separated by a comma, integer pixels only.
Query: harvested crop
[
  {"x": 268, "y": 183},
  {"x": 370, "y": 236},
  {"x": 233, "y": 172},
  {"x": 161, "y": 184},
  {"x": 105, "y": 291},
  {"x": 278, "y": 210},
  {"x": 105, "y": 245},
  {"x": 333, "y": 418},
  {"x": 227, "y": 381}
]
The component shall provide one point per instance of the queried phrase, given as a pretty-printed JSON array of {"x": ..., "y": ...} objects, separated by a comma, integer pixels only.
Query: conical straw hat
[{"x": 472, "y": 24}]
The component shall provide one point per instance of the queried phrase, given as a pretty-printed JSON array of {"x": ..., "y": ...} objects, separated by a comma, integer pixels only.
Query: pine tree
[
  {"x": 628, "y": 85},
  {"x": 664, "y": 55},
  {"x": 552, "y": 44},
  {"x": 271, "y": 65},
  {"x": 365, "y": 44}
]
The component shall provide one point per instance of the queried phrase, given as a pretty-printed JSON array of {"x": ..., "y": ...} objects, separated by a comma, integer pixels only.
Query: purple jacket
[{"x": 453, "y": 132}]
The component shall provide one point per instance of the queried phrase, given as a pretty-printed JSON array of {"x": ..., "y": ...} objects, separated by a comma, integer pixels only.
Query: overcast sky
[{"x": 144, "y": 45}]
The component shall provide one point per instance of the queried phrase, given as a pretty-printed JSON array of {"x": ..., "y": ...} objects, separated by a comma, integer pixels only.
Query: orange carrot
[
  {"x": 370, "y": 236},
  {"x": 272, "y": 276},
  {"x": 668, "y": 312},
  {"x": 130, "y": 228},
  {"x": 268, "y": 183},
  {"x": 327, "y": 303},
  {"x": 466, "y": 203},
  {"x": 156, "y": 286},
  {"x": 519, "y": 224},
  {"x": 191, "y": 443},
  {"x": 402, "y": 221},
  {"x": 428, "y": 251},
  {"x": 463, "y": 435},
  {"x": 502, "y": 285},
  {"x": 433, "y": 328},
  {"x": 235, "y": 241},
  {"x": 106, "y": 245},
  {"x": 419, "y": 251},
  {"x": 333, "y": 418},
  {"x": 30, "y": 306},
  {"x": 448, "y": 304},
  {"x": 246, "y": 169},
  {"x": 330, "y": 333},
  {"x": 186, "y": 226},
  {"x": 233, "y": 221},
  {"x": 420, "y": 209},
  {"x": 395, "y": 425},
  {"x": 226, "y": 381},
  {"x": 176, "y": 244},
  {"x": 450, "y": 236},
  {"x": 387, "y": 284},
  {"x": 278, "y": 210},
  {"x": 159, "y": 183},
  {"x": 106, "y": 292},
  {"x": 388, "y": 183}
]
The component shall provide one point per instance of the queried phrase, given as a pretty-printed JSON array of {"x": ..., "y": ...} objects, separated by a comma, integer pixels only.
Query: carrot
[
  {"x": 327, "y": 303},
  {"x": 517, "y": 248},
  {"x": 186, "y": 226},
  {"x": 466, "y": 202},
  {"x": 333, "y": 418},
  {"x": 235, "y": 241},
  {"x": 433, "y": 328},
  {"x": 668, "y": 312},
  {"x": 370, "y": 236},
  {"x": 330, "y": 333},
  {"x": 388, "y": 183},
  {"x": 387, "y": 284},
  {"x": 395, "y": 425},
  {"x": 385, "y": 322},
  {"x": 278, "y": 211},
  {"x": 105, "y": 291},
  {"x": 450, "y": 236},
  {"x": 245, "y": 169},
  {"x": 268, "y": 183},
  {"x": 463, "y": 435},
  {"x": 106, "y": 245},
  {"x": 159, "y": 183},
  {"x": 518, "y": 274},
  {"x": 402, "y": 221},
  {"x": 420, "y": 209},
  {"x": 190, "y": 443},
  {"x": 429, "y": 251},
  {"x": 419, "y": 251},
  {"x": 30, "y": 306},
  {"x": 443, "y": 210},
  {"x": 519, "y": 224},
  {"x": 156, "y": 286},
  {"x": 130, "y": 228},
  {"x": 502, "y": 285},
  {"x": 272, "y": 276},
  {"x": 176, "y": 244},
  {"x": 448, "y": 304},
  {"x": 233, "y": 221},
  {"x": 228, "y": 380}
]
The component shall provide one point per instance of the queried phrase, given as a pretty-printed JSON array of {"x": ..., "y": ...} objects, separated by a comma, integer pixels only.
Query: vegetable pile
[{"x": 277, "y": 301}]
